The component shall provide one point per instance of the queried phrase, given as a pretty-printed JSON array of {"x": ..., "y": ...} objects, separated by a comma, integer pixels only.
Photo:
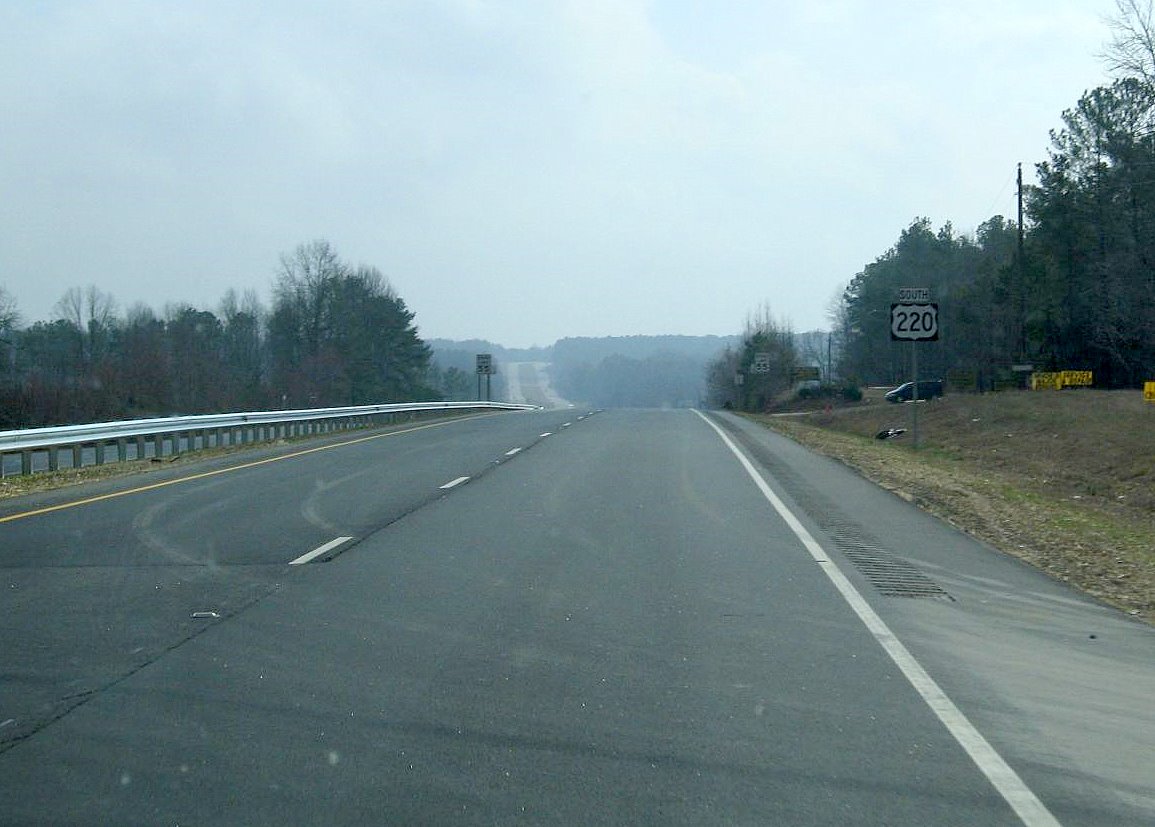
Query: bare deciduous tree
[
  {"x": 1131, "y": 52},
  {"x": 9, "y": 316},
  {"x": 304, "y": 285}
]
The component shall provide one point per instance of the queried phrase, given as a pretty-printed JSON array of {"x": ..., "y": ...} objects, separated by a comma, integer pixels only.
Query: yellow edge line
[{"x": 201, "y": 476}]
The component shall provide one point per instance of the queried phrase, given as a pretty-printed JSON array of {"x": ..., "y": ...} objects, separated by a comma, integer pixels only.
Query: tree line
[
  {"x": 335, "y": 334},
  {"x": 1071, "y": 288},
  {"x": 634, "y": 371}
]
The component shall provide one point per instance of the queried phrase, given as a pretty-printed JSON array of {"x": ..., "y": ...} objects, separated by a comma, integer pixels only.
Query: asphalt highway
[
  {"x": 560, "y": 617},
  {"x": 529, "y": 383}
]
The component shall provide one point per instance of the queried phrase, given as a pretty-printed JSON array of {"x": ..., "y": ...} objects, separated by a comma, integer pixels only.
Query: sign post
[
  {"x": 915, "y": 319},
  {"x": 484, "y": 368}
]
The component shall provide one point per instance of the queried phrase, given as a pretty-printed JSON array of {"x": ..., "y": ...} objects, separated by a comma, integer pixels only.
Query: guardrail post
[
  {"x": 77, "y": 455},
  {"x": 98, "y": 447},
  {"x": 122, "y": 450},
  {"x": 53, "y": 459},
  {"x": 25, "y": 462}
]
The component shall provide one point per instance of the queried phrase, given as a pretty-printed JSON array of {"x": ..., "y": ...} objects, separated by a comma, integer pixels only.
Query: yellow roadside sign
[
  {"x": 1149, "y": 391},
  {"x": 1077, "y": 379}
]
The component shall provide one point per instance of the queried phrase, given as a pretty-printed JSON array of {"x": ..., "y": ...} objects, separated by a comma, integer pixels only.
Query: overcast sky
[{"x": 521, "y": 170}]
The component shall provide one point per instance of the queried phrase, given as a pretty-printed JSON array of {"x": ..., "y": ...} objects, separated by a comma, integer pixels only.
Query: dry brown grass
[
  {"x": 1064, "y": 480},
  {"x": 52, "y": 480}
]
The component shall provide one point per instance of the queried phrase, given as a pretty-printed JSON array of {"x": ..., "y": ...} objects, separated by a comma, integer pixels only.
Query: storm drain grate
[{"x": 892, "y": 576}]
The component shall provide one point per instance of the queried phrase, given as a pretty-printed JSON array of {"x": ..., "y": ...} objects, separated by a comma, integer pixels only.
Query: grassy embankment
[{"x": 1064, "y": 480}]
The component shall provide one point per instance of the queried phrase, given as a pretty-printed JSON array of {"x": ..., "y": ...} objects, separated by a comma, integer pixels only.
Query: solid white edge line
[
  {"x": 317, "y": 552},
  {"x": 453, "y": 483},
  {"x": 1027, "y": 806},
  {"x": 513, "y": 452}
]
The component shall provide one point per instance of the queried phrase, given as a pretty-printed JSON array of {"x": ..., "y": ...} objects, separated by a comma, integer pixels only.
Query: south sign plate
[
  {"x": 914, "y": 322},
  {"x": 914, "y": 294}
]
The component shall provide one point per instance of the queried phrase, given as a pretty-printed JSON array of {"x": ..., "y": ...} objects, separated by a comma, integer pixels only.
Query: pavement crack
[{"x": 69, "y": 703}]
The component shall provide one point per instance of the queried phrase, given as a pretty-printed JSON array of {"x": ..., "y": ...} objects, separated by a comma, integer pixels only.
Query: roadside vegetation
[
  {"x": 1064, "y": 480},
  {"x": 335, "y": 334}
]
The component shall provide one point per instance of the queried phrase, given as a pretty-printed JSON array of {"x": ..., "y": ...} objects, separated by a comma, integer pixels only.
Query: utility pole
[
  {"x": 829, "y": 361},
  {"x": 1022, "y": 274}
]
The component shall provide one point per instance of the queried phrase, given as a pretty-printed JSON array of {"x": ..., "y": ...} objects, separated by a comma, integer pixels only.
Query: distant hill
[
  {"x": 462, "y": 354},
  {"x": 636, "y": 371},
  {"x": 594, "y": 349}
]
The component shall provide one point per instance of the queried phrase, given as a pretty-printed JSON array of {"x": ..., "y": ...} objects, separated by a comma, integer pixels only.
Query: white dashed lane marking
[{"x": 319, "y": 550}]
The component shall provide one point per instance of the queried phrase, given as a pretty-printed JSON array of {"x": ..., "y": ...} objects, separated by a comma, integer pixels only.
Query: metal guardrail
[{"x": 136, "y": 439}]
